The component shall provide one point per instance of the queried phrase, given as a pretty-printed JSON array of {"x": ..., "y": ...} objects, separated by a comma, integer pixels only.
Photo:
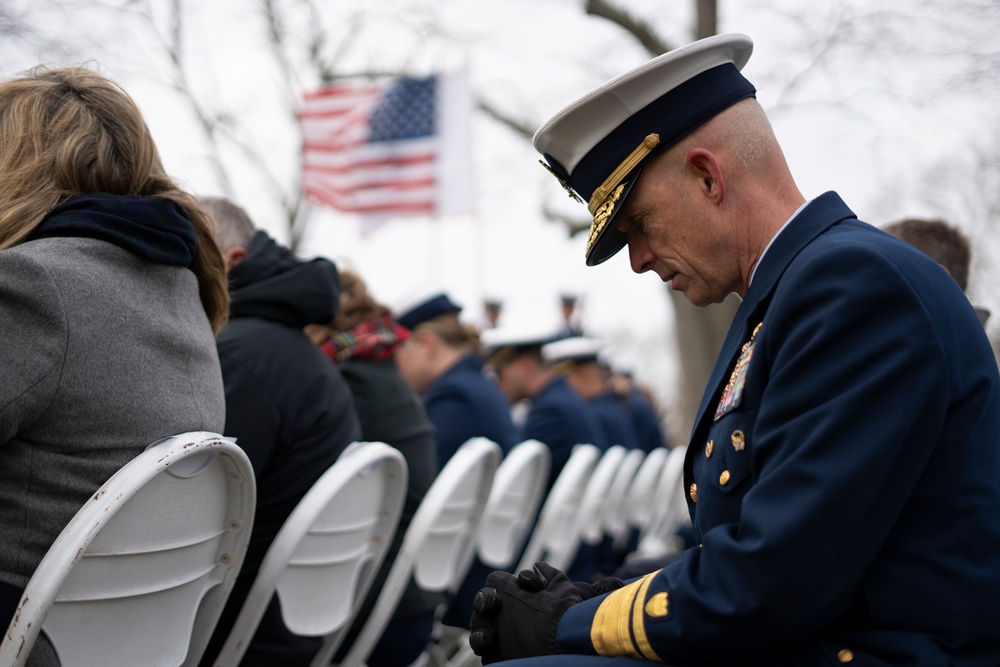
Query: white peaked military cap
[
  {"x": 503, "y": 343},
  {"x": 577, "y": 349},
  {"x": 598, "y": 145}
]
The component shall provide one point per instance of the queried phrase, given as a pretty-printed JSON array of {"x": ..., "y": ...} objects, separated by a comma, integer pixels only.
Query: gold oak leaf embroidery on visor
[
  {"x": 602, "y": 214},
  {"x": 619, "y": 626},
  {"x": 604, "y": 199}
]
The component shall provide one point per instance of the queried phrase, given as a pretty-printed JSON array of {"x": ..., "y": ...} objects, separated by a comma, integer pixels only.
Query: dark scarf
[
  {"x": 156, "y": 229},
  {"x": 372, "y": 339}
]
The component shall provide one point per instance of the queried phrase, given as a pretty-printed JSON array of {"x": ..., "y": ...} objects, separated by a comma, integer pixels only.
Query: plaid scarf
[
  {"x": 156, "y": 229},
  {"x": 373, "y": 339}
]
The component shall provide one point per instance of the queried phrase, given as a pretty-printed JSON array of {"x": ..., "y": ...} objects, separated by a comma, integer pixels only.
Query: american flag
[{"x": 388, "y": 148}]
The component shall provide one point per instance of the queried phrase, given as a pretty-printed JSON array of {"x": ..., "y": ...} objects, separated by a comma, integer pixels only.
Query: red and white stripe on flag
[{"x": 399, "y": 147}]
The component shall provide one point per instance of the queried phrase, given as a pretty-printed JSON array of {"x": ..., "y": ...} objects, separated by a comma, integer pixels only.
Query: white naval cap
[
  {"x": 597, "y": 145},
  {"x": 503, "y": 343},
  {"x": 577, "y": 349}
]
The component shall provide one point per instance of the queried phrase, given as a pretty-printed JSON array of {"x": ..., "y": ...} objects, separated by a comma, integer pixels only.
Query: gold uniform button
[
  {"x": 693, "y": 492},
  {"x": 739, "y": 440},
  {"x": 845, "y": 655},
  {"x": 724, "y": 478},
  {"x": 709, "y": 446}
]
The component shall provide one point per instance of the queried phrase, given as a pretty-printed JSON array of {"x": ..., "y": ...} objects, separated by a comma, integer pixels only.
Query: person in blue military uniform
[
  {"x": 557, "y": 416},
  {"x": 577, "y": 358},
  {"x": 441, "y": 362},
  {"x": 842, "y": 473},
  {"x": 639, "y": 405}
]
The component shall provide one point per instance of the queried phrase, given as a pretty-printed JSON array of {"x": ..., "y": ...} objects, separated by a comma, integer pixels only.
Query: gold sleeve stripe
[
  {"x": 639, "y": 621},
  {"x": 611, "y": 618},
  {"x": 610, "y": 633}
]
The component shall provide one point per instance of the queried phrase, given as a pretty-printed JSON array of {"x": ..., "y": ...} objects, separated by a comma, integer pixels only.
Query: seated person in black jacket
[{"x": 289, "y": 408}]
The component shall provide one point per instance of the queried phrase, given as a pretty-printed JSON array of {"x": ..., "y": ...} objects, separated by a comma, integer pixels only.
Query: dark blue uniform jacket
[
  {"x": 847, "y": 503},
  {"x": 645, "y": 422},
  {"x": 560, "y": 418},
  {"x": 614, "y": 415},
  {"x": 462, "y": 403}
]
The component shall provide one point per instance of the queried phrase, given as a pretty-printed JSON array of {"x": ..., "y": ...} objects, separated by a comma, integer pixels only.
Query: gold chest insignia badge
[{"x": 732, "y": 395}]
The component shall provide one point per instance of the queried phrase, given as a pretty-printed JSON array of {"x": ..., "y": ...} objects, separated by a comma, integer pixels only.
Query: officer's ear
[{"x": 704, "y": 166}]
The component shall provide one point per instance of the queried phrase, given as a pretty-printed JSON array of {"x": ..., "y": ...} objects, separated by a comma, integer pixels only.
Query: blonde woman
[{"x": 111, "y": 289}]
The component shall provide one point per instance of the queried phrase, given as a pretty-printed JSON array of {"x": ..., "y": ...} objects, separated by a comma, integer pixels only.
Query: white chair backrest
[
  {"x": 323, "y": 560},
  {"x": 513, "y": 503},
  {"x": 439, "y": 543},
  {"x": 555, "y": 539},
  {"x": 640, "y": 497},
  {"x": 615, "y": 514},
  {"x": 670, "y": 506},
  {"x": 589, "y": 520},
  {"x": 141, "y": 573}
]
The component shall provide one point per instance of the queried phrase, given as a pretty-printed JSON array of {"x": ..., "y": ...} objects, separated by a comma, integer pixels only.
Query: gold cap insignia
[{"x": 602, "y": 214}]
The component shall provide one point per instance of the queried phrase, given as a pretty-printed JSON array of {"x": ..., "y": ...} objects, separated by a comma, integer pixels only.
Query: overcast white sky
[{"x": 885, "y": 101}]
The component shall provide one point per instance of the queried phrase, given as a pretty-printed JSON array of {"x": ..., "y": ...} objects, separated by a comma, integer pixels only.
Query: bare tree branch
[
  {"x": 708, "y": 23},
  {"x": 639, "y": 29},
  {"x": 574, "y": 225},
  {"x": 520, "y": 126},
  {"x": 12, "y": 25}
]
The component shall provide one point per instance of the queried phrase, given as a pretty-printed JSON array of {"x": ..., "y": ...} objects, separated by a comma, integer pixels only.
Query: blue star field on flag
[{"x": 406, "y": 110}]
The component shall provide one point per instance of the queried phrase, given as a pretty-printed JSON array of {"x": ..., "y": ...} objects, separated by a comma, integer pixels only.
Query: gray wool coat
[{"x": 101, "y": 353}]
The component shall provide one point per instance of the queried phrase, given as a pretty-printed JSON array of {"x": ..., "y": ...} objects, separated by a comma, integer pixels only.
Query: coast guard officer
[
  {"x": 843, "y": 475},
  {"x": 441, "y": 362},
  {"x": 557, "y": 416},
  {"x": 577, "y": 359}
]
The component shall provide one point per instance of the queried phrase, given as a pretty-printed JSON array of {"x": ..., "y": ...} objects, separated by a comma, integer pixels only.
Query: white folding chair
[
  {"x": 141, "y": 573},
  {"x": 513, "y": 503},
  {"x": 510, "y": 511},
  {"x": 326, "y": 554},
  {"x": 640, "y": 497},
  {"x": 615, "y": 516},
  {"x": 589, "y": 520},
  {"x": 555, "y": 539},
  {"x": 669, "y": 509},
  {"x": 439, "y": 543}
]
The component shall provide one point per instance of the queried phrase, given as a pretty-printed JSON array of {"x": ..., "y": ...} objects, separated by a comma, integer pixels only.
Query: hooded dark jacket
[{"x": 287, "y": 406}]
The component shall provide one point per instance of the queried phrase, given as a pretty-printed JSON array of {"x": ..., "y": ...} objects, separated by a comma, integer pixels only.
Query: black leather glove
[{"x": 516, "y": 617}]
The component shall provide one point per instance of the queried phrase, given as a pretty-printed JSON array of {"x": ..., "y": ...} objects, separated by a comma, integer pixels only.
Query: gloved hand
[{"x": 516, "y": 617}]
